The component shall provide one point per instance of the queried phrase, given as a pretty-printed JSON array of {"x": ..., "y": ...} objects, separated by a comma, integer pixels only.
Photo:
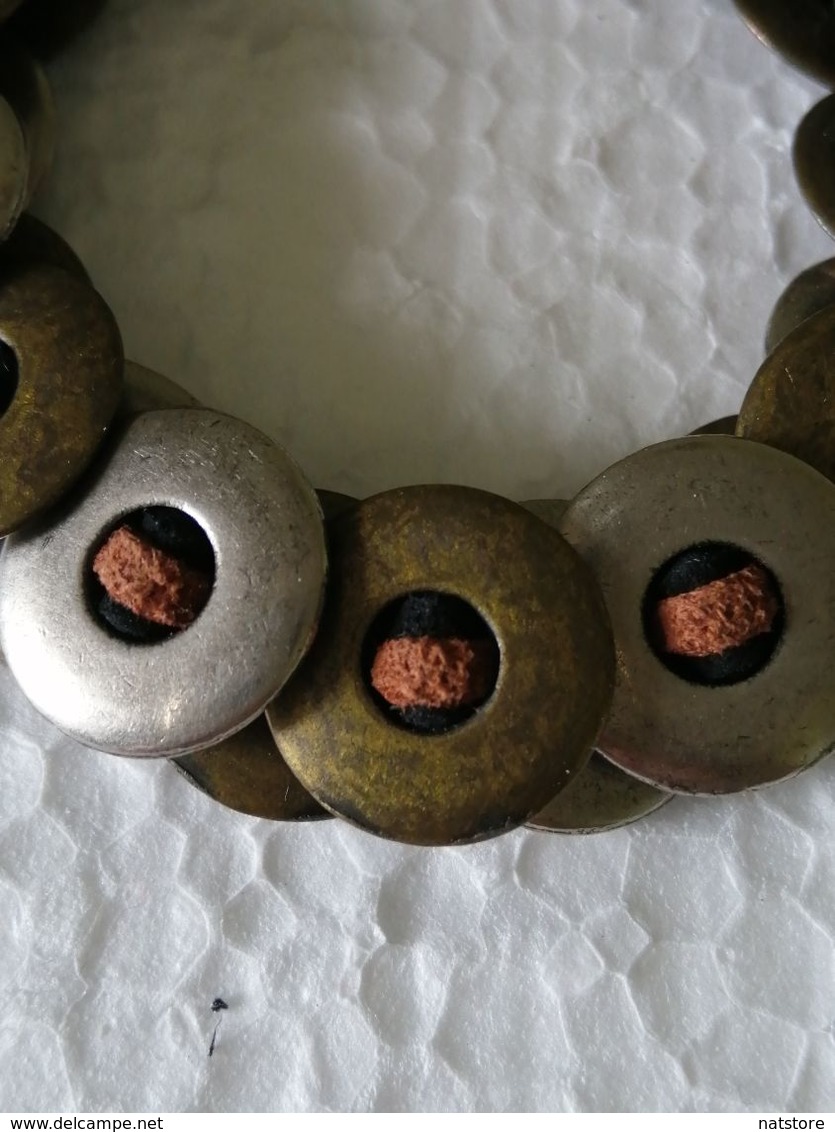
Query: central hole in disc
[
  {"x": 714, "y": 614},
  {"x": 430, "y": 661},
  {"x": 8, "y": 376},
  {"x": 151, "y": 575}
]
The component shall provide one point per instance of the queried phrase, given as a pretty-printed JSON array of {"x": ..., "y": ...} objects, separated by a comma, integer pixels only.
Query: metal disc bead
[
  {"x": 801, "y": 30},
  {"x": 531, "y": 736},
  {"x": 69, "y": 361},
  {"x": 247, "y": 773},
  {"x": 601, "y": 796},
  {"x": 699, "y": 490},
  {"x": 814, "y": 161},
  {"x": 812, "y": 291},
  {"x": 14, "y": 169},
  {"x": 265, "y": 527},
  {"x": 790, "y": 404}
]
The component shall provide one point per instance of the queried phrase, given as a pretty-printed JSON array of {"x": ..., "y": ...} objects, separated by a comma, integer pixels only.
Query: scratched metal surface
[{"x": 501, "y": 242}]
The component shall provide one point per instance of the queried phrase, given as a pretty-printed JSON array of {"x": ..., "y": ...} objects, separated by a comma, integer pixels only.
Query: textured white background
[{"x": 501, "y": 242}]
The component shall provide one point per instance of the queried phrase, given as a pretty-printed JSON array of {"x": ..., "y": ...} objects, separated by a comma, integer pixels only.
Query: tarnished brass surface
[
  {"x": 14, "y": 166},
  {"x": 801, "y": 30},
  {"x": 25, "y": 87},
  {"x": 601, "y": 796},
  {"x": 725, "y": 426},
  {"x": 146, "y": 390},
  {"x": 70, "y": 363},
  {"x": 811, "y": 292},
  {"x": 791, "y": 401},
  {"x": 32, "y": 241},
  {"x": 247, "y": 773},
  {"x": 646, "y": 509},
  {"x": 814, "y": 161},
  {"x": 504, "y": 764}
]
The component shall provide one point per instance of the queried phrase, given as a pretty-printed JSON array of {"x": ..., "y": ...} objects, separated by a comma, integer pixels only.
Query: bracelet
[{"x": 466, "y": 653}]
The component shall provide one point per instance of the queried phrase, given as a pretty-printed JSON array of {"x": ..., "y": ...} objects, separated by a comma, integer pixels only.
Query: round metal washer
[
  {"x": 601, "y": 796},
  {"x": 265, "y": 525},
  {"x": 801, "y": 30},
  {"x": 790, "y": 404},
  {"x": 812, "y": 291},
  {"x": 554, "y": 683},
  {"x": 247, "y": 773},
  {"x": 70, "y": 361},
  {"x": 635, "y": 517},
  {"x": 814, "y": 161},
  {"x": 14, "y": 169}
]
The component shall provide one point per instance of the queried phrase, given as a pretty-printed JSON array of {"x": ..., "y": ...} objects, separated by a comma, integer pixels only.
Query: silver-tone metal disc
[
  {"x": 648, "y": 508},
  {"x": 265, "y": 526},
  {"x": 601, "y": 796},
  {"x": 812, "y": 291},
  {"x": 14, "y": 166}
]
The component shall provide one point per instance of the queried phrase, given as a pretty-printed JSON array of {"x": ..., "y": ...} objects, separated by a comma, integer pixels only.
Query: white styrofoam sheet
[{"x": 498, "y": 242}]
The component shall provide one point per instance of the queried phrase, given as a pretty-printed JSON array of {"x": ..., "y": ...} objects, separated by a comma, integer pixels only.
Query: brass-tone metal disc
[
  {"x": 14, "y": 169},
  {"x": 505, "y": 763},
  {"x": 70, "y": 362},
  {"x": 812, "y": 291},
  {"x": 648, "y": 508},
  {"x": 248, "y": 774},
  {"x": 146, "y": 390},
  {"x": 601, "y": 796},
  {"x": 814, "y": 161},
  {"x": 26, "y": 88},
  {"x": 32, "y": 241},
  {"x": 791, "y": 401},
  {"x": 803, "y": 31},
  {"x": 725, "y": 426}
]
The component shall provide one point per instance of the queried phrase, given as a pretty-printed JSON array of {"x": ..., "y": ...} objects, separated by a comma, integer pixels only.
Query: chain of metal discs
[{"x": 434, "y": 664}]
